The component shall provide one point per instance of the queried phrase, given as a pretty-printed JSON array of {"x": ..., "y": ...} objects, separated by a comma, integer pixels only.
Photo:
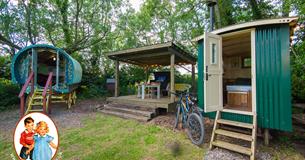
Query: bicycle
[{"x": 190, "y": 116}]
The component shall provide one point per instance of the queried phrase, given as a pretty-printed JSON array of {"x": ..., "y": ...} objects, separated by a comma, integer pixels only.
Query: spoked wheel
[
  {"x": 195, "y": 129},
  {"x": 177, "y": 116},
  {"x": 196, "y": 110}
]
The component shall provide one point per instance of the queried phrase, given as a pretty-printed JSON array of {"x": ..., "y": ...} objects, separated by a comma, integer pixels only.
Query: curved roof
[
  {"x": 290, "y": 20},
  {"x": 76, "y": 67}
]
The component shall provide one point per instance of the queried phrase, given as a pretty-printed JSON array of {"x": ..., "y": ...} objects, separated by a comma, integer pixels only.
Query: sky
[{"x": 136, "y": 4}]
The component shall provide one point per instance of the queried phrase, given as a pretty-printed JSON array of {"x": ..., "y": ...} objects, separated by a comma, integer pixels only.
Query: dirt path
[{"x": 62, "y": 117}]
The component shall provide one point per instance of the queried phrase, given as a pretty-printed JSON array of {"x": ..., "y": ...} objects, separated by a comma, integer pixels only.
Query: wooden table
[{"x": 142, "y": 87}]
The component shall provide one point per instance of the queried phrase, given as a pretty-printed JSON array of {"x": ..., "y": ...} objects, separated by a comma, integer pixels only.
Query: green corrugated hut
[{"x": 245, "y": 68}]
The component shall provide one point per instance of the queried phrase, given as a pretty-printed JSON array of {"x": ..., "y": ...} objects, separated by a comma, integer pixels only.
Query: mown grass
[{"x": 108, "y": 137}]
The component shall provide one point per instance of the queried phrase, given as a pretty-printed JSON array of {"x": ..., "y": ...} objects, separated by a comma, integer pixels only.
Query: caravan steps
[
  {"x": 221, "y": 128},
  {"x": 234, "y": 134},
  {"x": 136, "y": 112},
  {"x": 232, "y": 147},
  {"x": 236, "y": 124}
]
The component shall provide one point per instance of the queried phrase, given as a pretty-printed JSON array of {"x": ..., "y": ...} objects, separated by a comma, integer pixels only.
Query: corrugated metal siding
[
  {"x": 200, "y": 74},
  {"x": 273, "y": 77}
]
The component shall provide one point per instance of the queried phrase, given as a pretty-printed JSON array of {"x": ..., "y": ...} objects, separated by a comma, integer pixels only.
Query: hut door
[{"x": 212, "y": 72}]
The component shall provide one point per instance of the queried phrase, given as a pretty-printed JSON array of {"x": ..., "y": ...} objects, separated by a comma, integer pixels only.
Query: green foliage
[
  {"x": 8, "y": 94},
  {"x": 5, "y": 67}
]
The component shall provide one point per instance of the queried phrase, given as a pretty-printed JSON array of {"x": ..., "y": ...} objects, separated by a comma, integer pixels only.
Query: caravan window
[{"x": 213, "y": 53}]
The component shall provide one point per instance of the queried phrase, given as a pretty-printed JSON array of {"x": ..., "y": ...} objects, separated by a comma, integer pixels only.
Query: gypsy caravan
[{"x": 48, "y": 75}]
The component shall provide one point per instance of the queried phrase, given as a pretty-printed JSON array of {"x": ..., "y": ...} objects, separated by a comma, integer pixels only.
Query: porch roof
[{"x": 157, "y": 54}]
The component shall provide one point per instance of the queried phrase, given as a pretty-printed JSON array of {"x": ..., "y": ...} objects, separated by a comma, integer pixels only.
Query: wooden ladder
[
  {"x": 219, "y": 129},
  {"x": 36, "y": 100}
]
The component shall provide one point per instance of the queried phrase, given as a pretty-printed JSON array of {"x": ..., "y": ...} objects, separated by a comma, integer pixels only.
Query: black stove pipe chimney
[{"x": 211, "y": 4}]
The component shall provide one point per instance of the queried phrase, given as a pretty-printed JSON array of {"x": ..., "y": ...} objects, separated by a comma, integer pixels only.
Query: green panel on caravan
[{"x": 272, "y": 69}]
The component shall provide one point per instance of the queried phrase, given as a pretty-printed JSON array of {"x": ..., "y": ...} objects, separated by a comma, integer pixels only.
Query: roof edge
[{"x": 290, "y": 20}]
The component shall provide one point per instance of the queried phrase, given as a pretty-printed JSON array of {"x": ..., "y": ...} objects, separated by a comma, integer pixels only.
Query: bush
[
  {"x": 298, "y": 78},
  {"x": 8, "y": 94}
]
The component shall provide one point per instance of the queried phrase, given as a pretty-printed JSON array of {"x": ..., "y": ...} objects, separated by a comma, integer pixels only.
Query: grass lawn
[{"x": 108, "y": 137}]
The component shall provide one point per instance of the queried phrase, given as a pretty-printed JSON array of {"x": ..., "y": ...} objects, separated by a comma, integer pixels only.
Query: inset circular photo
[{"x": 36, "y": 137}]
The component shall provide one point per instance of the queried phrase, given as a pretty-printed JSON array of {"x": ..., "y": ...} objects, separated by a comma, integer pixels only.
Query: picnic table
[{"x": 142, "y": 87}]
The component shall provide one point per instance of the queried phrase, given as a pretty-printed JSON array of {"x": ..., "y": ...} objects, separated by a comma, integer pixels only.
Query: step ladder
[
  {"x": 220, "y": 129},
  {"x": 35, "y": 102}
]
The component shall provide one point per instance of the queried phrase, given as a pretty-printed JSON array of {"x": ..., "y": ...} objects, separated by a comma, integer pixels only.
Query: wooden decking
[{"x": 163, "y": 102}]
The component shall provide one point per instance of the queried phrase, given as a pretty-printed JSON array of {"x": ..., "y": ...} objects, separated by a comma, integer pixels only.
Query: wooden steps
[
  {"x": 232, "y": 147},
  {"x": 139, "y": 113},
  {"x": 236, "y": 133},
  {"x": 234, "y": 123},
  {"x": 129, "y": 111},
  {"x": 233, "y": 134},
  {"x": 125, "y": 115}
]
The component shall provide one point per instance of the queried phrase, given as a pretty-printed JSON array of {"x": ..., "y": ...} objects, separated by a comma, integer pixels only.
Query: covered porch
[{"x": 157, "y": 55}]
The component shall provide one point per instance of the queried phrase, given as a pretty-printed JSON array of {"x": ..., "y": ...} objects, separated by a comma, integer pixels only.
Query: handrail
[
  {"x": 47, "y": 85},
  {"x": 21, "y": 94},
  {"x": 26, "y": 84}
]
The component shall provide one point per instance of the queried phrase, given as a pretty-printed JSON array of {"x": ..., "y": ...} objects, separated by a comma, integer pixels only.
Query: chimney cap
[{"x": 211, "y": 3}]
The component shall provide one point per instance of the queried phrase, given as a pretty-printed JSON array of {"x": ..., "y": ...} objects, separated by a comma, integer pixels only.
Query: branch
[
  {"x": 5, "y": 41},
  {"x": 28, "y": 21}
]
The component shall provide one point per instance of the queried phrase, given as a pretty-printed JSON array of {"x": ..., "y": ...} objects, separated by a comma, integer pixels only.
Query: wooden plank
[
  {"x": 234, "y": 135},
  {"x": 125, "y": 115},
  {"x": 232, "y": 147},
  {"x": 172, "y": 77},
  {"x": 234, "y": 123},
  {"x": 116, "y": 88},
  {"x": 299, "y": 118},
  {"x": 238, "y": 112},
  {"x": 144, "y": 48},
  {"x": 193, "y": 79},
  {"x": 253, "y": 143},
  {"x": 214, "y": 128},
  {"x": 299, "y": 105}
]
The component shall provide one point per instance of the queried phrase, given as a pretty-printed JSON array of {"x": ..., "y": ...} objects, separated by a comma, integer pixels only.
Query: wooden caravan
[{"x": 47, "y": 74}]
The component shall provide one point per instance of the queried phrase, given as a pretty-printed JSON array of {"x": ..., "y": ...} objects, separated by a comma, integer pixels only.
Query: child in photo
[
  {"x": 27, "y": 139},
  {"x": 43, "y": 141}
]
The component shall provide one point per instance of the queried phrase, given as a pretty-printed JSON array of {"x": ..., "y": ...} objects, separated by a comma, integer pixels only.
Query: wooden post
[
  {"x": 172, "y": 89},
  {"x": 21, "y": 106},
  {"x": 266, "y": 136},
  {"x": 117, "y": 89},
  {"x": 193, "y": 78},
  {"x": 50, "y": 98}
]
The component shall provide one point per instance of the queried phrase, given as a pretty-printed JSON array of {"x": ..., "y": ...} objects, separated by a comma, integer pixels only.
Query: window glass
[
  {"x": 246, "y": 62},
  {"x": 213, "y": 54}
]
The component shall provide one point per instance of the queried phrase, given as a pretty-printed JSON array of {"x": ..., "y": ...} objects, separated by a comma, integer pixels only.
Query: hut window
[
  {"x": 213, "y": 54},
  {"x": 246, "y": 62}
]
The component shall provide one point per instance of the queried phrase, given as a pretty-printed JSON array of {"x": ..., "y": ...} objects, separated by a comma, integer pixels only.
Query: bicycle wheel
[
  {"x": 196, "y": 110},
  {"x": 195, "y": 129},
  {"x": 177, "y": 116}
]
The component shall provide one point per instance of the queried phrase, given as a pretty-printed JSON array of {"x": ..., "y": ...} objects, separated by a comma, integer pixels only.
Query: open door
[{"x": 212, "y": 72}]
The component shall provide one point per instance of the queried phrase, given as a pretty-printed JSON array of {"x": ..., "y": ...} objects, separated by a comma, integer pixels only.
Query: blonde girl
[{"x": 43, "y": 141}]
